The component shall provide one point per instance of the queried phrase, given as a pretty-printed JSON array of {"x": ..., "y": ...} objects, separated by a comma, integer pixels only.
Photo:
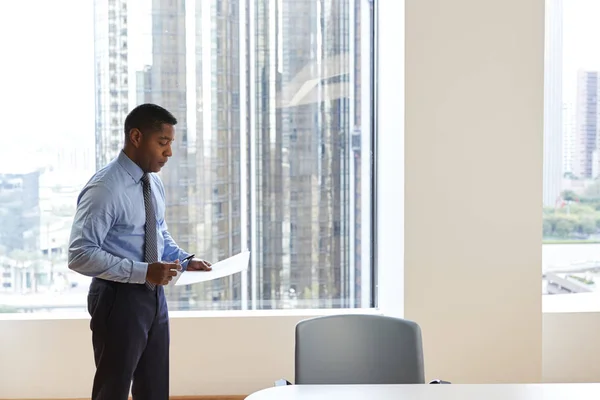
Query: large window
[
  {"x": 273, "y": 147},
  {"x": 571, "y": 216}
]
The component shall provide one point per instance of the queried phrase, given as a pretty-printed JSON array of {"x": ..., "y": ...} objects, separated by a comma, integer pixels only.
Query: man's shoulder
[
  {"x": 96, "y": 188},
  {"x": 103, "y": 181}
]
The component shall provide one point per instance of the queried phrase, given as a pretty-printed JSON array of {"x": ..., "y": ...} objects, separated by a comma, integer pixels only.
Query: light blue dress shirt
[{"x": 107, "y": 237}]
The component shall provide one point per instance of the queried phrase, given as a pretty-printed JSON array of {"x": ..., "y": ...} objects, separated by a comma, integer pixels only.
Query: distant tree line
[{"x": 575, "y": 216}]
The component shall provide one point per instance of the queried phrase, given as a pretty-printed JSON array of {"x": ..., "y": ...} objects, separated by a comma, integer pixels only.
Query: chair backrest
[{"x": 358, "y": 349}]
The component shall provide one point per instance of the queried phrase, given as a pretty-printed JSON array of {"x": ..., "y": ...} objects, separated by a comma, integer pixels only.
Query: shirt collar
[{"x": 128, "y": 165}]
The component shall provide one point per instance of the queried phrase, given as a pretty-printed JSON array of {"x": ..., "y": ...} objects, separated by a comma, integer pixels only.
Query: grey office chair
[{"x": 358, "y": 349}]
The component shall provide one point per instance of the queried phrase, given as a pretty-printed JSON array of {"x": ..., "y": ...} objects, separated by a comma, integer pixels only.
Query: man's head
[{"x": 149, "y": 132}]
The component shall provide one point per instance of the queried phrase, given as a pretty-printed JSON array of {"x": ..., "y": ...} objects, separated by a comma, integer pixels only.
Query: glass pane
[
  {"x": 272, "y": 151},
  {"x": 571, "y": 224}
]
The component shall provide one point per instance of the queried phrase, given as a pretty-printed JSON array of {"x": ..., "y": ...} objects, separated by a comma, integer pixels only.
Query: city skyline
[
  {"x": 580, "y": 35},
  {"x": 570, "y": 34}
]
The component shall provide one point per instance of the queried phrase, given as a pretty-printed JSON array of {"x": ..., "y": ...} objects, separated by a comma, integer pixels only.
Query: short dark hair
[{"x": 148, "y": 118}]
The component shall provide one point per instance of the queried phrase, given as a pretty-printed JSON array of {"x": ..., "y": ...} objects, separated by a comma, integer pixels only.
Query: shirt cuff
[
  {"x": 183, "y": 255},
  {"x": 138, "y": 272}
]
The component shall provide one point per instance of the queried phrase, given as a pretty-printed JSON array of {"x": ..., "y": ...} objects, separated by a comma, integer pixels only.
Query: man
[{"x": 120, "y": 238}]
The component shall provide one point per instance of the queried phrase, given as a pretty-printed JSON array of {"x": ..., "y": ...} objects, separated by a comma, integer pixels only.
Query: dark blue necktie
[{"x": 150, "y": 246}]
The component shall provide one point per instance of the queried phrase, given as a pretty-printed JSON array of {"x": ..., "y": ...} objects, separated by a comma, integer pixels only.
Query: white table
[{"x": 575, "y": 391}]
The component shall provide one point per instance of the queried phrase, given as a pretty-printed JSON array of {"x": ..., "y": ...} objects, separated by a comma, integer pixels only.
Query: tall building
[
  {"x": 216, "y": 68},
  {"x": 195, "y": 75},
  {"x": 272, "y": 232},
  {"x": 302, "y": 140},
  {"x": 586, "y": 132},
  {"x": 20, "y": 213},
  {"x": 111, "y": 38},
  {"x": 553, "y": 103},
  {"x": 569, "y": 140},
  {"x": 165, "y": 84},
  {"x": 359, "y": 155}
]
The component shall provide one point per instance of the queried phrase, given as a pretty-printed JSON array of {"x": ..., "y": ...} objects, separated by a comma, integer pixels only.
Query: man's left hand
[{"x": 198, "y": 265}]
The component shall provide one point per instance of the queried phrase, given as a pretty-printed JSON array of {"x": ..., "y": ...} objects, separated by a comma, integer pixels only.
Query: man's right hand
[{"x": 161, "y": 273}]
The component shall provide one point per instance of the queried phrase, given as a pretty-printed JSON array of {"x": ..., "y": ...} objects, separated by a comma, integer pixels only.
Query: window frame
[{"x": 386, "y": 198}]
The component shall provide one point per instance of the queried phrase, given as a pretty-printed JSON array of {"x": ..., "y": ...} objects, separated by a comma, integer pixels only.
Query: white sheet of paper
[{"x": 229, "y": 266}]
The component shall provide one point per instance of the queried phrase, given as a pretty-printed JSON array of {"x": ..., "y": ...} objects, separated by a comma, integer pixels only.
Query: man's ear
[{"x": 135, "y": 137}]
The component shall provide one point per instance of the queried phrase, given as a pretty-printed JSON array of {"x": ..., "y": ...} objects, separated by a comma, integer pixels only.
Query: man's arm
[
  {"x": 171, "y": 251},
  {"x": 94, "y": 218}
]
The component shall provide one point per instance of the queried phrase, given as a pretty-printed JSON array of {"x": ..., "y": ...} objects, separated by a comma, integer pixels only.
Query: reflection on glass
[{"x": 272, "y": 151}]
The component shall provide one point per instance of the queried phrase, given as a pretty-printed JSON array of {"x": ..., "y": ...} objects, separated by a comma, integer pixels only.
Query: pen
[{"x": 187, "y": 258}]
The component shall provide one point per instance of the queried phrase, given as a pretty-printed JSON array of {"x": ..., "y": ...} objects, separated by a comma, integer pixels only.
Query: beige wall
[
  {"x": 209, "y": 355},
  {"x": 239, "y": 355},
  {"x": 473, "y": 133},
  {"x": 473, "y": 185},
  {"x": 571, "y": 346}
]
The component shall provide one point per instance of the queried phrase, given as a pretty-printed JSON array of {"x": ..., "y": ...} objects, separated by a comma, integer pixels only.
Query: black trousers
[{"x": 130, "y": 336}]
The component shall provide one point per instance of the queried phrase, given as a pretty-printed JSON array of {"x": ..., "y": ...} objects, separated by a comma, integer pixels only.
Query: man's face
[{"x": 155, "y": 148}]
